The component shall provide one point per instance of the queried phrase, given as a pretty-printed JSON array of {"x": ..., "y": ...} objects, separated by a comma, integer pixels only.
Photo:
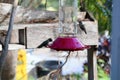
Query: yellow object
[{"x": 21, "y": 69}]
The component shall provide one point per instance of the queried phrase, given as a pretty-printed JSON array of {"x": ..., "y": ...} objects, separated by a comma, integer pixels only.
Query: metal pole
[{"x": 115, "y": 48}]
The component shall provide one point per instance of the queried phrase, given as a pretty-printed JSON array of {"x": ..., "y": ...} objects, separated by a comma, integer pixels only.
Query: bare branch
[{"x": 5, "y": 17}]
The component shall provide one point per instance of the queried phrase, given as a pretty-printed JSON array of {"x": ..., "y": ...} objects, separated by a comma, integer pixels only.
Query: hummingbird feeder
[{"x": 67, "y": 40}]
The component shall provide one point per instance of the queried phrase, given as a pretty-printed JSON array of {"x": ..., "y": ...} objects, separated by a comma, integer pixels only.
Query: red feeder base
[{"x": 68, "y": 44}]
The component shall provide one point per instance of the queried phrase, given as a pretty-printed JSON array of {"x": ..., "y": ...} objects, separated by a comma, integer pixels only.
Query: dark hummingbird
[
  {"x": 45, "y": 43},
  {"x": 82, "y": 27}
]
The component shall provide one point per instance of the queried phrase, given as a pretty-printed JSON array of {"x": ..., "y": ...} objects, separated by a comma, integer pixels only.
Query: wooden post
[
  {"x": 92, "y": 66},
  {"x": 95, "y": 65}
]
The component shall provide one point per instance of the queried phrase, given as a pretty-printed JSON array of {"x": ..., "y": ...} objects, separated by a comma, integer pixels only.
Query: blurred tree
[
  {"x": 40, "y": 4},
  {"x": 30, "y": 4},
  {"x": 101, "y": 9}
]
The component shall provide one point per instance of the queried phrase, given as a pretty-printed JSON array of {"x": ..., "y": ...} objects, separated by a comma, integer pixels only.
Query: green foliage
[
  {"x": 53, "y": 5},
  {"x": 102, "y": 75},
  {"x": 68, "y": 2},
  {"x": 101, "y": 9},
  {"x": 31, "y": 78},
  {"x": 33, "y": 4},
  {"x": 77, "y": 76},
  {"x": 40, "y": 4}
]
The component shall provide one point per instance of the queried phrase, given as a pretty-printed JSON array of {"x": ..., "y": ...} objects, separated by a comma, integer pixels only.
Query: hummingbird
[
  {"x": 45, "y": 43},
  {"x": 82, "y": 27}
]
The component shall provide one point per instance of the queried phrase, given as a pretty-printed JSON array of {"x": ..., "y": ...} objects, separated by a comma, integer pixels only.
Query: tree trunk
[
  {"x": 8, "y": 72},
  {"x": 7, "y": 39}
]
